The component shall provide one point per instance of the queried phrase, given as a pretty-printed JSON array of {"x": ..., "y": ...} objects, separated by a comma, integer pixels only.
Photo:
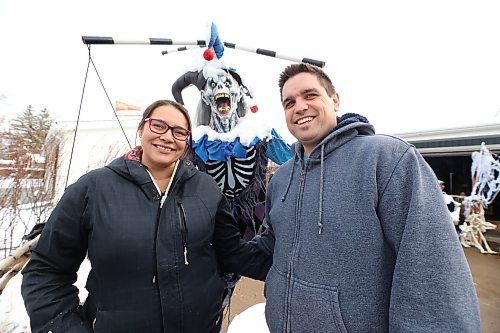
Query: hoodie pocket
[{"x": 315, "y": 308}]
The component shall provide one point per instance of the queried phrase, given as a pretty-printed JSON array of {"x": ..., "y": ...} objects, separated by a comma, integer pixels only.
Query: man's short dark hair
[{"x": 295, "y": 69}]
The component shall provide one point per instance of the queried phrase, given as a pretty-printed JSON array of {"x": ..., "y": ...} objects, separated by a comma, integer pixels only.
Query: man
[{"x": 361, "y": 236}]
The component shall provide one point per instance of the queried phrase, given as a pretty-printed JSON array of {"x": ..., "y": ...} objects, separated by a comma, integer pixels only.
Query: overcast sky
[{"x": 405, "y": 65}]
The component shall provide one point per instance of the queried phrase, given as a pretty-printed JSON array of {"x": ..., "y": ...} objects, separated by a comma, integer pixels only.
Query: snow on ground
[{"x": 13, "y": 316}]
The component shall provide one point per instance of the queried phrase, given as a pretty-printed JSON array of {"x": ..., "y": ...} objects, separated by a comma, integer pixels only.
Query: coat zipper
[
  {"x": 163, "y": 198},
  {"x": 184, "y": 231},
  {"x": 287, "y": 327},
  {"x": 157, "y": 226}
]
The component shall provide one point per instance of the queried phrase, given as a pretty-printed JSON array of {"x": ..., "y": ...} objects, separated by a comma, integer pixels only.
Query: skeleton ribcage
[{"x": 234, "y": 175}]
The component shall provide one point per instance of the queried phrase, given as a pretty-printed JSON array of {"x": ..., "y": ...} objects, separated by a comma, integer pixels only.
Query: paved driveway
[{"x": 486, "y": 274}]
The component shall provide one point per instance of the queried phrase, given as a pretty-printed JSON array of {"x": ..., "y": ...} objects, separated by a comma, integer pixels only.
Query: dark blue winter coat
[{"x": 156, "y": 267}]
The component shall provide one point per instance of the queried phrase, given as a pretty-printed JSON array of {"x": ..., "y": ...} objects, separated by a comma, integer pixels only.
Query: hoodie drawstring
[
  {"x": 321, "y": 186},
  {"x": 289, "y": 180},
  {"x": 320, "y": 221}
]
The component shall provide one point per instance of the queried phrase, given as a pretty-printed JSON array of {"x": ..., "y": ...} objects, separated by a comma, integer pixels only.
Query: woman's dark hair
[{"x": 165, "y": 102}]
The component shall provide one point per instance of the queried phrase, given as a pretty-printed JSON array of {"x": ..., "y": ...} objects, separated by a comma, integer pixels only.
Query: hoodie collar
[{"x": 348, "y": 126}]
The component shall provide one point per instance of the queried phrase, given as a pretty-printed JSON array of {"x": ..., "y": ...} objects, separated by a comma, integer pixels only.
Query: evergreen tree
[
  {"x": 42, "y": 128},
  {"x": 27, "y": 132}
]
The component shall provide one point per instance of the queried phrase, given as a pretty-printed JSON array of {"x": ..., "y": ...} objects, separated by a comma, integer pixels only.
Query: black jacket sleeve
[
  {"x": 235, "y": 254},
  {"x": 49, "y": 295}
]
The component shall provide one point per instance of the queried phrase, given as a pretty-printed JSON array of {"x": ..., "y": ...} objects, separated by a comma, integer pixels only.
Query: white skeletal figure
[
  {"x": 472, "y": 231},
  {"x": 485, "y": 172}
]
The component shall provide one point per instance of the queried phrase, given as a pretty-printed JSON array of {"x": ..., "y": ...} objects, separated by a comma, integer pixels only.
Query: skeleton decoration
[
  {"x": 485, "y": 172},
  {"x": 230, "y": 141},
  {"x": 472, "y": 231},
  {"x": 222, "y": 93}
]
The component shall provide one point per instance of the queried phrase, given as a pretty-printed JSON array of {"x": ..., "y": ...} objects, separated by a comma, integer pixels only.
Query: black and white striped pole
[
  {"x": 182, "y": 48},
  {"x": 275, "y": 54},
  {"x": 198, "y": 43}
]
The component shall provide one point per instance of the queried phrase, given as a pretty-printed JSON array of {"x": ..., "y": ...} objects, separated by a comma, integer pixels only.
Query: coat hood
[
  {"x": 348, "y": 126},
  {"x": 134, "y": 171}
]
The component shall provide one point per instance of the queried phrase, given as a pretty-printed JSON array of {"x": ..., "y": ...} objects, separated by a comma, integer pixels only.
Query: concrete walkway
[{"x": 486, "y": 275}]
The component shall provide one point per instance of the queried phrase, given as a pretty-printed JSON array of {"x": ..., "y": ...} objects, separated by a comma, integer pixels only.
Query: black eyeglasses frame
[{"x": 168, "y": 127}]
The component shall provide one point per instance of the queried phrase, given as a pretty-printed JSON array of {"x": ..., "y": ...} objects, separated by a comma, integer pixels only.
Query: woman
[{"x": 157, "y": 232}]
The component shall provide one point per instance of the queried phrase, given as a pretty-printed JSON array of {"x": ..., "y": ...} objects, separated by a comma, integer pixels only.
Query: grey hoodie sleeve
[
  {"x": 50, "y": 297},
  {"x": 432, "y": 287}
]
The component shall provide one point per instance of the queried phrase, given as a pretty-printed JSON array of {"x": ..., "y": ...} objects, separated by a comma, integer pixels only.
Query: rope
[
  {"x": 80, "y": 109},
  {"x": 109, "y": 100},
  {"x": 77, "y": 121}
]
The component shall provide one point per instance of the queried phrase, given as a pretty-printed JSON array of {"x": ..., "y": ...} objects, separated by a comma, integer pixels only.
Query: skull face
[{"x": 222, "y": 94}]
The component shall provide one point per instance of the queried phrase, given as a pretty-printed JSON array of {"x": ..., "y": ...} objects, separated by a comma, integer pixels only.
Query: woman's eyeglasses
[{"x": 160, "y": 127}]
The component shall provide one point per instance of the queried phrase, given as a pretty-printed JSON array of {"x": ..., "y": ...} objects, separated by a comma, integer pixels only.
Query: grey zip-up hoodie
[{"x": 363, "y": 241}]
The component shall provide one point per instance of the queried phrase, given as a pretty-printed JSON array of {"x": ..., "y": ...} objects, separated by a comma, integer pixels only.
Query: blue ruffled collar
[{"x": 212, "y": 145}]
